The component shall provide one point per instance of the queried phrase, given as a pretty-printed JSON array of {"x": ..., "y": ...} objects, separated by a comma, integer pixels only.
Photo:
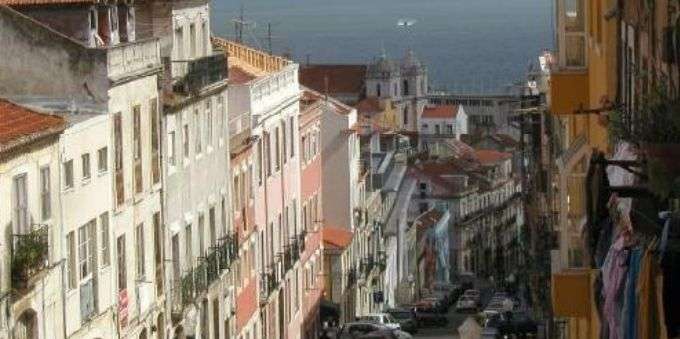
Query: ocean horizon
[{"x": 467, "y": 45}]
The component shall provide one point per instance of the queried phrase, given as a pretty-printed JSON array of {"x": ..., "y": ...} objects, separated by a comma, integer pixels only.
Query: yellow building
[{"x": 583, "y": 86}]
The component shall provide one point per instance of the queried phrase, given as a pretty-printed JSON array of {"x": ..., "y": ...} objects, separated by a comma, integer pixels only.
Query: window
[
  {"x": 171, "y": 148},
  {"x": 259, "y": 162},
  {"x": 188, "y": 246},
  {"x": 68, "y": 174},
  {"x": 201, "y": 234},
  {"x": 405, "y": 116},
  {"x": 102, "y": 159},
  {"x": 209, "y": 122},
  {"x": 224, "y": 216},
  {"x": 155, "y": 143},
  {"x": 104, "y": 230},
  {"x": 211, "y": 225},
  {"x": 192, "y": 41},
  {"x": 277, "y": 148},
  {"x": 292, "y": 136},
  {"x": 45, "y": 195},
  {"x": 84, "y": 250},
  {"x": 118, "y": 156},
  {"x": 574, "y": 33},
  {"x": 284, "y": 143},
  {"x": 179, "y": 42},
  {"x": 158, "y": 237},
  {"x": 122, "y": 274},
  {"x": 137, "y": 147},
  {"x": 425, "y": 126},
  {"x": 71, "y": 264},
  {"x": 267, "y": 154},
  {"x": 85, "y": 159},
  {"x": 197, "y": 133},
  {"x": 139, "y": 239},
  {"x": 437, "y": 129},
  {"x": 185, "y": 141},
  {"x": 405, "y": 87},
  {"x": 220, "y": 114},
  {"x": 449, "y": 129},
  {"x": 377, "y": 90}
]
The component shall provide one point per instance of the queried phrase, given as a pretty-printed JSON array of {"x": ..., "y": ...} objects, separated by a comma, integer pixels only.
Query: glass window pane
[
  {"x": 573, "y": 16},
  {"x": 575, "y": 50}
]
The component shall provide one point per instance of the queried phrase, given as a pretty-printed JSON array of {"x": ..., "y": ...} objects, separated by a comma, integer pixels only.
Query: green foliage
[
  {"x": 656, "y": 121},
  {"x": 29, "y": 255}
]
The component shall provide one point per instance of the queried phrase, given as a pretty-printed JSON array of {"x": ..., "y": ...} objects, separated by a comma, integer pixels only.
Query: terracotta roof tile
[
  {"x": 490, "y": 157},
  {"x": 336, "y": 237},
  {"x": 440, "y": 112},
  {"x": 341, "y": 78},
  {"x": 20, "y": 125},
  {"x": 238, "y": 76}
]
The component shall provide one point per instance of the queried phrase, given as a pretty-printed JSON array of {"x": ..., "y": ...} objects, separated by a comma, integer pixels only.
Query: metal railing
[{"x": 202, "y": 72}]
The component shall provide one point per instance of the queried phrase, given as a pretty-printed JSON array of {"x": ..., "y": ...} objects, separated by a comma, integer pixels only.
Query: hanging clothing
[
  {"x": 669, "y": 251},
  {"x": 648, "y": 318},
  {"x": 629, "y": 311},
  {"x": 604, "y": 241},
  {"x": 613, "y": 281}
]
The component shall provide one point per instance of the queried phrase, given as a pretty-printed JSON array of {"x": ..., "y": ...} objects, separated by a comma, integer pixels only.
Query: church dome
[{"x": 410, "y": 63}]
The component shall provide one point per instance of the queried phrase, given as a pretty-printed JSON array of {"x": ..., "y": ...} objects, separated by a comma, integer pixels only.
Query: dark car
[
  {"x": 427, "y": 315},
  {"x": 517, "y": 324},
  {"x": 406, "y": 319},
  {"x": 354, "y": 330}
]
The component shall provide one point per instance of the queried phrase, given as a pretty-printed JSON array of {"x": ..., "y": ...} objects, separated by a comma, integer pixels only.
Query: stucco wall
[{"x": 45, "y": 63}]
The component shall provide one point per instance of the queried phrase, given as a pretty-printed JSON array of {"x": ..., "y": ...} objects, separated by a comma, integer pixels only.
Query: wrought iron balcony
[
  {"x": 295, "y": 250},
  {"x": 201, "y": 276},
  {"x": 287, "y": 258},
  {"x": 381, "y": 262},
  {"x": 268, "y": 285},
  {"x": 213, "y": 266},
  {"x": 202, "y": 72},
  {"x": 29, "y": 256}
]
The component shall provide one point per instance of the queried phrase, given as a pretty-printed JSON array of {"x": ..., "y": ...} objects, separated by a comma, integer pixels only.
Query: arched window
[
  {"x": 405, "y": 87},
  {"x": 377, "y": 90},
  {"x": 405, "y": 116}
]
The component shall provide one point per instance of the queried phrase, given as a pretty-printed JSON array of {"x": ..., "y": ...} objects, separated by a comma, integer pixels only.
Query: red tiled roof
[
  {"x": 506, "y": 140},
  {"x": 237, "y": 76},
  {"x": 440, "y": 112},
  {"x": 490, "y": 157},
  {"x": 20, "y": 125},
  {"x": 42, "y": 2},
  {"x": 341, "y": 78},
  {"x": 336, "y": 237},
  {"x": 368, "y": 106}
]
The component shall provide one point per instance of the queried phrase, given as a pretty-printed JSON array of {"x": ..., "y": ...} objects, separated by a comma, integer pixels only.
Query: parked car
[
  {"x": 427, "y": 315},
  {"x": 473, "y": 294},
  {"x": 466, "y": 303},
  {"x": 384, "y": 319},
  {"x": 406, "y": 319},
  {"x": 438, "y": 303},
  {"x": 356, "y": 329},
  {"x": 509, "y": 325},
  {"x": 387, "y": 334}
]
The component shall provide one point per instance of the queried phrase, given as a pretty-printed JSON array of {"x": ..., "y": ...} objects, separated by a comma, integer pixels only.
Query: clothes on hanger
[
  {"x": 629, "y": 311},
  {"x": 614, "y": 276}
]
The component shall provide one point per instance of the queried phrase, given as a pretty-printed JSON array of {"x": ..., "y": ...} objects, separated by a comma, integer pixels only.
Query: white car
[
  {"x": 466, "y": 303},
  {"x": 384, "y": 319}
]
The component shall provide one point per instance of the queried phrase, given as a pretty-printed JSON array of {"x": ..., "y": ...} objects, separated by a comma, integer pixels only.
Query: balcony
[
  {"x": 29, "y": 257},
  {"x": 133, "y": 58},
  {"x": 302, "y": 237},
  {"x": 268, "y": 285},
  {"x": 201, "y": 276},
  {"x": 381, "y": 263},
  {"x": 202, "y": 72}
]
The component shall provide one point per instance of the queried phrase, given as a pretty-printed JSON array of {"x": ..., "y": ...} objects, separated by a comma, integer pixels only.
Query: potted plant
[{"x": 654, "y": 127}]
